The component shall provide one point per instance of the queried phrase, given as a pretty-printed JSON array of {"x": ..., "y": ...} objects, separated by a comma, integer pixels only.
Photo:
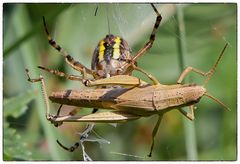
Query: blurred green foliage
[{"x": 74, "y": 27}]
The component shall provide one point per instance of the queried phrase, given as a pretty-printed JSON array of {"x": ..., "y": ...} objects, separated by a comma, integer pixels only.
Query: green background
[{"x": 76, "y": 28}]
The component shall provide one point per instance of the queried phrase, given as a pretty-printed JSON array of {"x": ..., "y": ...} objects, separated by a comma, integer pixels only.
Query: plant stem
[
  {"x": 29, "y": 50},
  {"x": 190, "y": 138}
]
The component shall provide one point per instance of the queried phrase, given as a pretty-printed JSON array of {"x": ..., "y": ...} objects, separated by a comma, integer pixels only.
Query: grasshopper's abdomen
[{"x": 89, "y": 98}]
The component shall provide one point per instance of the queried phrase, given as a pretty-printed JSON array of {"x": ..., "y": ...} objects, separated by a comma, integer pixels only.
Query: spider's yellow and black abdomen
[{"x": 110, "y": 55}]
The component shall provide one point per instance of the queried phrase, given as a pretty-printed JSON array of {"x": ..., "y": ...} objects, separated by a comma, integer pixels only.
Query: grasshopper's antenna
[
  {"x": 212, "y": 70},
  {"x": 209, "y": 75},
  {"x": 217, "y": 101}
]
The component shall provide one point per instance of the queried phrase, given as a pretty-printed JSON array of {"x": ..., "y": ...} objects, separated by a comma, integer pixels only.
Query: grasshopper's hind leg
[
  {"x": 44, "y": 92},
  {"x": 207, "y": 74},
  {"x": 49, "y": 117}
]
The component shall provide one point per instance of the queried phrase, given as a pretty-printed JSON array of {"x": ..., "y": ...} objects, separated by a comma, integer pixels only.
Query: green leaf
[
  {"x": 36, "y": 27},
  {"x": 16, "y": 106},
  {"x": 14, "y": 146}
]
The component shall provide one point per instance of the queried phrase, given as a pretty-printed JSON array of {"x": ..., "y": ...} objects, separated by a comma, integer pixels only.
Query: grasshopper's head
[
  {"x": 201, "y": 91},
  {"x": 193, "y": 93},
  {"x": 197, "y": 92}
]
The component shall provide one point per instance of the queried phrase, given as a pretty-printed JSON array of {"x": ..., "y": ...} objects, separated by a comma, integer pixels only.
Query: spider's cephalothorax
[{"x": 109, "y": 57}]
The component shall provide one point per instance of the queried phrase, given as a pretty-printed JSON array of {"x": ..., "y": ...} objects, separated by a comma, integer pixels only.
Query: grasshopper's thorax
[{"x": 110, "y": 55}]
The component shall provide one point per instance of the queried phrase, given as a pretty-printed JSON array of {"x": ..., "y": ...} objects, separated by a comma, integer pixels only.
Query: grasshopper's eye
[{"x": 86, "y": 82}]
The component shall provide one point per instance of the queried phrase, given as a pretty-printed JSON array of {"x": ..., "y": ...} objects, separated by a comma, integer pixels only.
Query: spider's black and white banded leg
[
  {"x": 83, "y": 137},
  {"x": 149, "y": 44},
  {"x": 68, "y": 58},
  {"x": 62, "y": 74}
]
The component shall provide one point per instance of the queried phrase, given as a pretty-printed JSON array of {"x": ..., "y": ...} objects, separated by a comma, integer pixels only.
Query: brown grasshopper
[{"x": 139, "y": 99}]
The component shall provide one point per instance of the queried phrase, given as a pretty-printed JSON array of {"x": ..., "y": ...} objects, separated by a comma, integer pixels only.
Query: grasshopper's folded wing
[{"x": 103, "y": 117}]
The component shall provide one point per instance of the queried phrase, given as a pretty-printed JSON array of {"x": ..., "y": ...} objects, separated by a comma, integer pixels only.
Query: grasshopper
[{"x": 139, "y": 99}]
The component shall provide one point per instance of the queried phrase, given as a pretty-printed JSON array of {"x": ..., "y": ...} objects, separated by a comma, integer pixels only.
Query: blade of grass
[
  {"x": 29, "y": 50},
  {"x": 35, "y": 28},
  {"x": 190, "y": 138}
]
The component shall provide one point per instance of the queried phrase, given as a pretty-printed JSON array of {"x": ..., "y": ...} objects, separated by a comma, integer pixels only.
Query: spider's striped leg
[
  {"x": 62, "y": 74},
  {"x": 83, "y": 137},
  {"x": 70, "y": 60},
  {"x": 149, "y": 44},
  {"x": 71, "y": 149},
  {"x": 131, "y": 65}
]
